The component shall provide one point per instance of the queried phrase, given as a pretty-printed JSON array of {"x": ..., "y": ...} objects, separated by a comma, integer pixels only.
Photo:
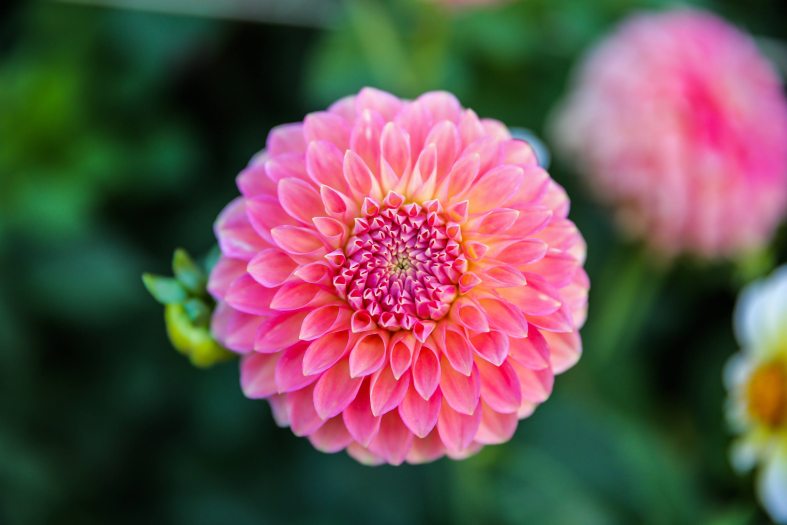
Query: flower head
[
  {"x": 400, "y": 277},
  {"x": 681, "y": 125},
  {"x": 757, "y": 382}
]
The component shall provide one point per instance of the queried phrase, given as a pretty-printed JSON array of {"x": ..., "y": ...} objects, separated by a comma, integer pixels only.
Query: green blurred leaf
[
  {"x": 198, "y": 312},
  {"x": 165, "y": 290},
  {"x": 188, "y": 273}
]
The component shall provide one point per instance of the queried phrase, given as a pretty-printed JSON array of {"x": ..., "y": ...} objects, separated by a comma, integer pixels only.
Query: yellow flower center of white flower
[{"x": 766, "y": 394}]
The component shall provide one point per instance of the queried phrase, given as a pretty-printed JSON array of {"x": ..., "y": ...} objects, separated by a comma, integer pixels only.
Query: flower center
[
  {"x": 402, "y": 263},
  {"x": 766, "y": 394}
]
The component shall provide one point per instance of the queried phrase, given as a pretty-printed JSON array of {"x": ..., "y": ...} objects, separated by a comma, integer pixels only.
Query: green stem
[{"x": 626, "y": 293}]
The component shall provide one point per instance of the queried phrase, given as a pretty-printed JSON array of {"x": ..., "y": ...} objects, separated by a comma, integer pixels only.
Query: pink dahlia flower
[
  {"x": 682, "y": 125},
  {"x": 400, "y": 277}
]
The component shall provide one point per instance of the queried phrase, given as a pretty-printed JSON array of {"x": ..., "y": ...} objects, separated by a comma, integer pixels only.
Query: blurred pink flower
[
  {"x": 682, "y": 126},
  {"x": 400, "y": 277}
]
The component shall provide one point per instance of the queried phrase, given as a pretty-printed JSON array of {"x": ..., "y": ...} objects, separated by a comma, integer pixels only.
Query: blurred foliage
[{"x": 120, "y": 136}]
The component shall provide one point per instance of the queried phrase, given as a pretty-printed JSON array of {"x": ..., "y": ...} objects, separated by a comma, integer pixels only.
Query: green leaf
[
  {"x": 165, "y": 290},
  {"x": 187, "y": 272},
  {"x": 198, "y": 312}
]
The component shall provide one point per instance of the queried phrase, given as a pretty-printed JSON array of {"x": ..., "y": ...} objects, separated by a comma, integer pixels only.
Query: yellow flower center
[{"x": 766, "y": 394}]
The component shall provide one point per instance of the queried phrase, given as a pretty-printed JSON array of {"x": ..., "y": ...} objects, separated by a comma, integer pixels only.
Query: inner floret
[{"x": 402, "y": 263}]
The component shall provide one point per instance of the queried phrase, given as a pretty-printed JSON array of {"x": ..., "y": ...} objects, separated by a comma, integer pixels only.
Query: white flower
[{"x": 757, "y": 382}]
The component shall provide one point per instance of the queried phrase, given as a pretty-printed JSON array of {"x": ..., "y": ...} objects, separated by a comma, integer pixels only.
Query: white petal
[
  {"x": 744, "y": 454},
  {"x": 761, "y": 314},
  {"x": 773, "y": 485},
  {"x": 737, "y": 371}
]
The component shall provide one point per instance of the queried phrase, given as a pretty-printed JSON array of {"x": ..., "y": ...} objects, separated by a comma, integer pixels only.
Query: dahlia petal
[
  {"x": 361, "y": 322},
  {"x": 558, "y": 321},
  {"x": 315, "y": 273},
  {"x": 237, "y": 238},
  {"x": 460, "y": 391},
  {"x": 772, "y": 485},
  {"x": 324, "y": 352},
  {"x": 253, "y": 180},
  {"x": 361, "y": 423},
  {"x": 532, "y": 219},
  {"x": 278, "y": 403},
  {"x": 557, "y": 268},
  {"x": 467, "y": 313},
  {"x": 500, "y": 387},
  {"x": 304, "y": 419},
  {"x": 344, "y": 108},
  {"x": 427, "y": 449},
  {"x": 331, "y": 437},
  {"x": 337, "y": 204},
  {"x": 564, "y": 350},
  {"x": 504, "y": 317},
  {"x": 403, "y": 346},
  {"x": 426, "y": 372},
  {"x": 493, "y": 222},
  {"x": 487, "y": 149},
  {"x": 523, "y": 252},
  {"x": 333, "y": 231},
  {"x": 283, "y": 167},
  {"x": 300, "y": 200},
  {"x": 517, "y": 151},
  {"x": 271, "y": 267},
  {"x": 533, "y": 298},
  {"x": 363, "y": 455},
  {"x": 258, "y": 375},
  {"x": 385, "y": 104},
  {"x": 416, "y": 120},
  {"x": 248, "y": 296},
  {"x": 223, "y": 274},
  {"x": 445, "y": 137},
  {"x": 386, "y": 392},
  {"x": 233, "y": 329},
  {"x": 418, "y": 414},
  {"x": 441, "y": 105},
  {"x": 468, "y": 281},
  {"x": 335, "y": 389},
  {"x": 495, "y": 188},
  {"x": 531, "y": 352},
  {"x": 365, "y": 137},
  {"x": 265, "y": 213},
  {"x": 459, "y": 179},
  {"x": 496, "y": 129},
  {"x": 368, "y": 354},
  {"x": 326, "y": 126},
  {"x": 393, "y": 440},
  {"x": 423, "y": 329},
  {"x": 296, "y": 240},
  {"x": 287, "y": 138},
  {"x": 278, "y": 332},
  {"x": 395, "y": 149},
  {"x": 289, "y": 370},
  {"x": 495, "y": 428},
  {"x": 457, "y": 430},
  {"x": 535, "y": 385},
  {"x": 359, "y": 178},
  {"x": 324, "y": 165},
  {"x": 455, "y": 348},
  {"x": 503, "y": 276},
  {"x": 492, "y": 346},
  {"x": 325, "y": 319},
  {"x": 295, "y": 295},
  {"x": 423, "y": 179},
  {"x": 470, "y": 128}
]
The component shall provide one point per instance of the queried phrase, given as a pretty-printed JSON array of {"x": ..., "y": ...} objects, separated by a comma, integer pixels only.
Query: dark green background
[{"x": 120, "y": 135}]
